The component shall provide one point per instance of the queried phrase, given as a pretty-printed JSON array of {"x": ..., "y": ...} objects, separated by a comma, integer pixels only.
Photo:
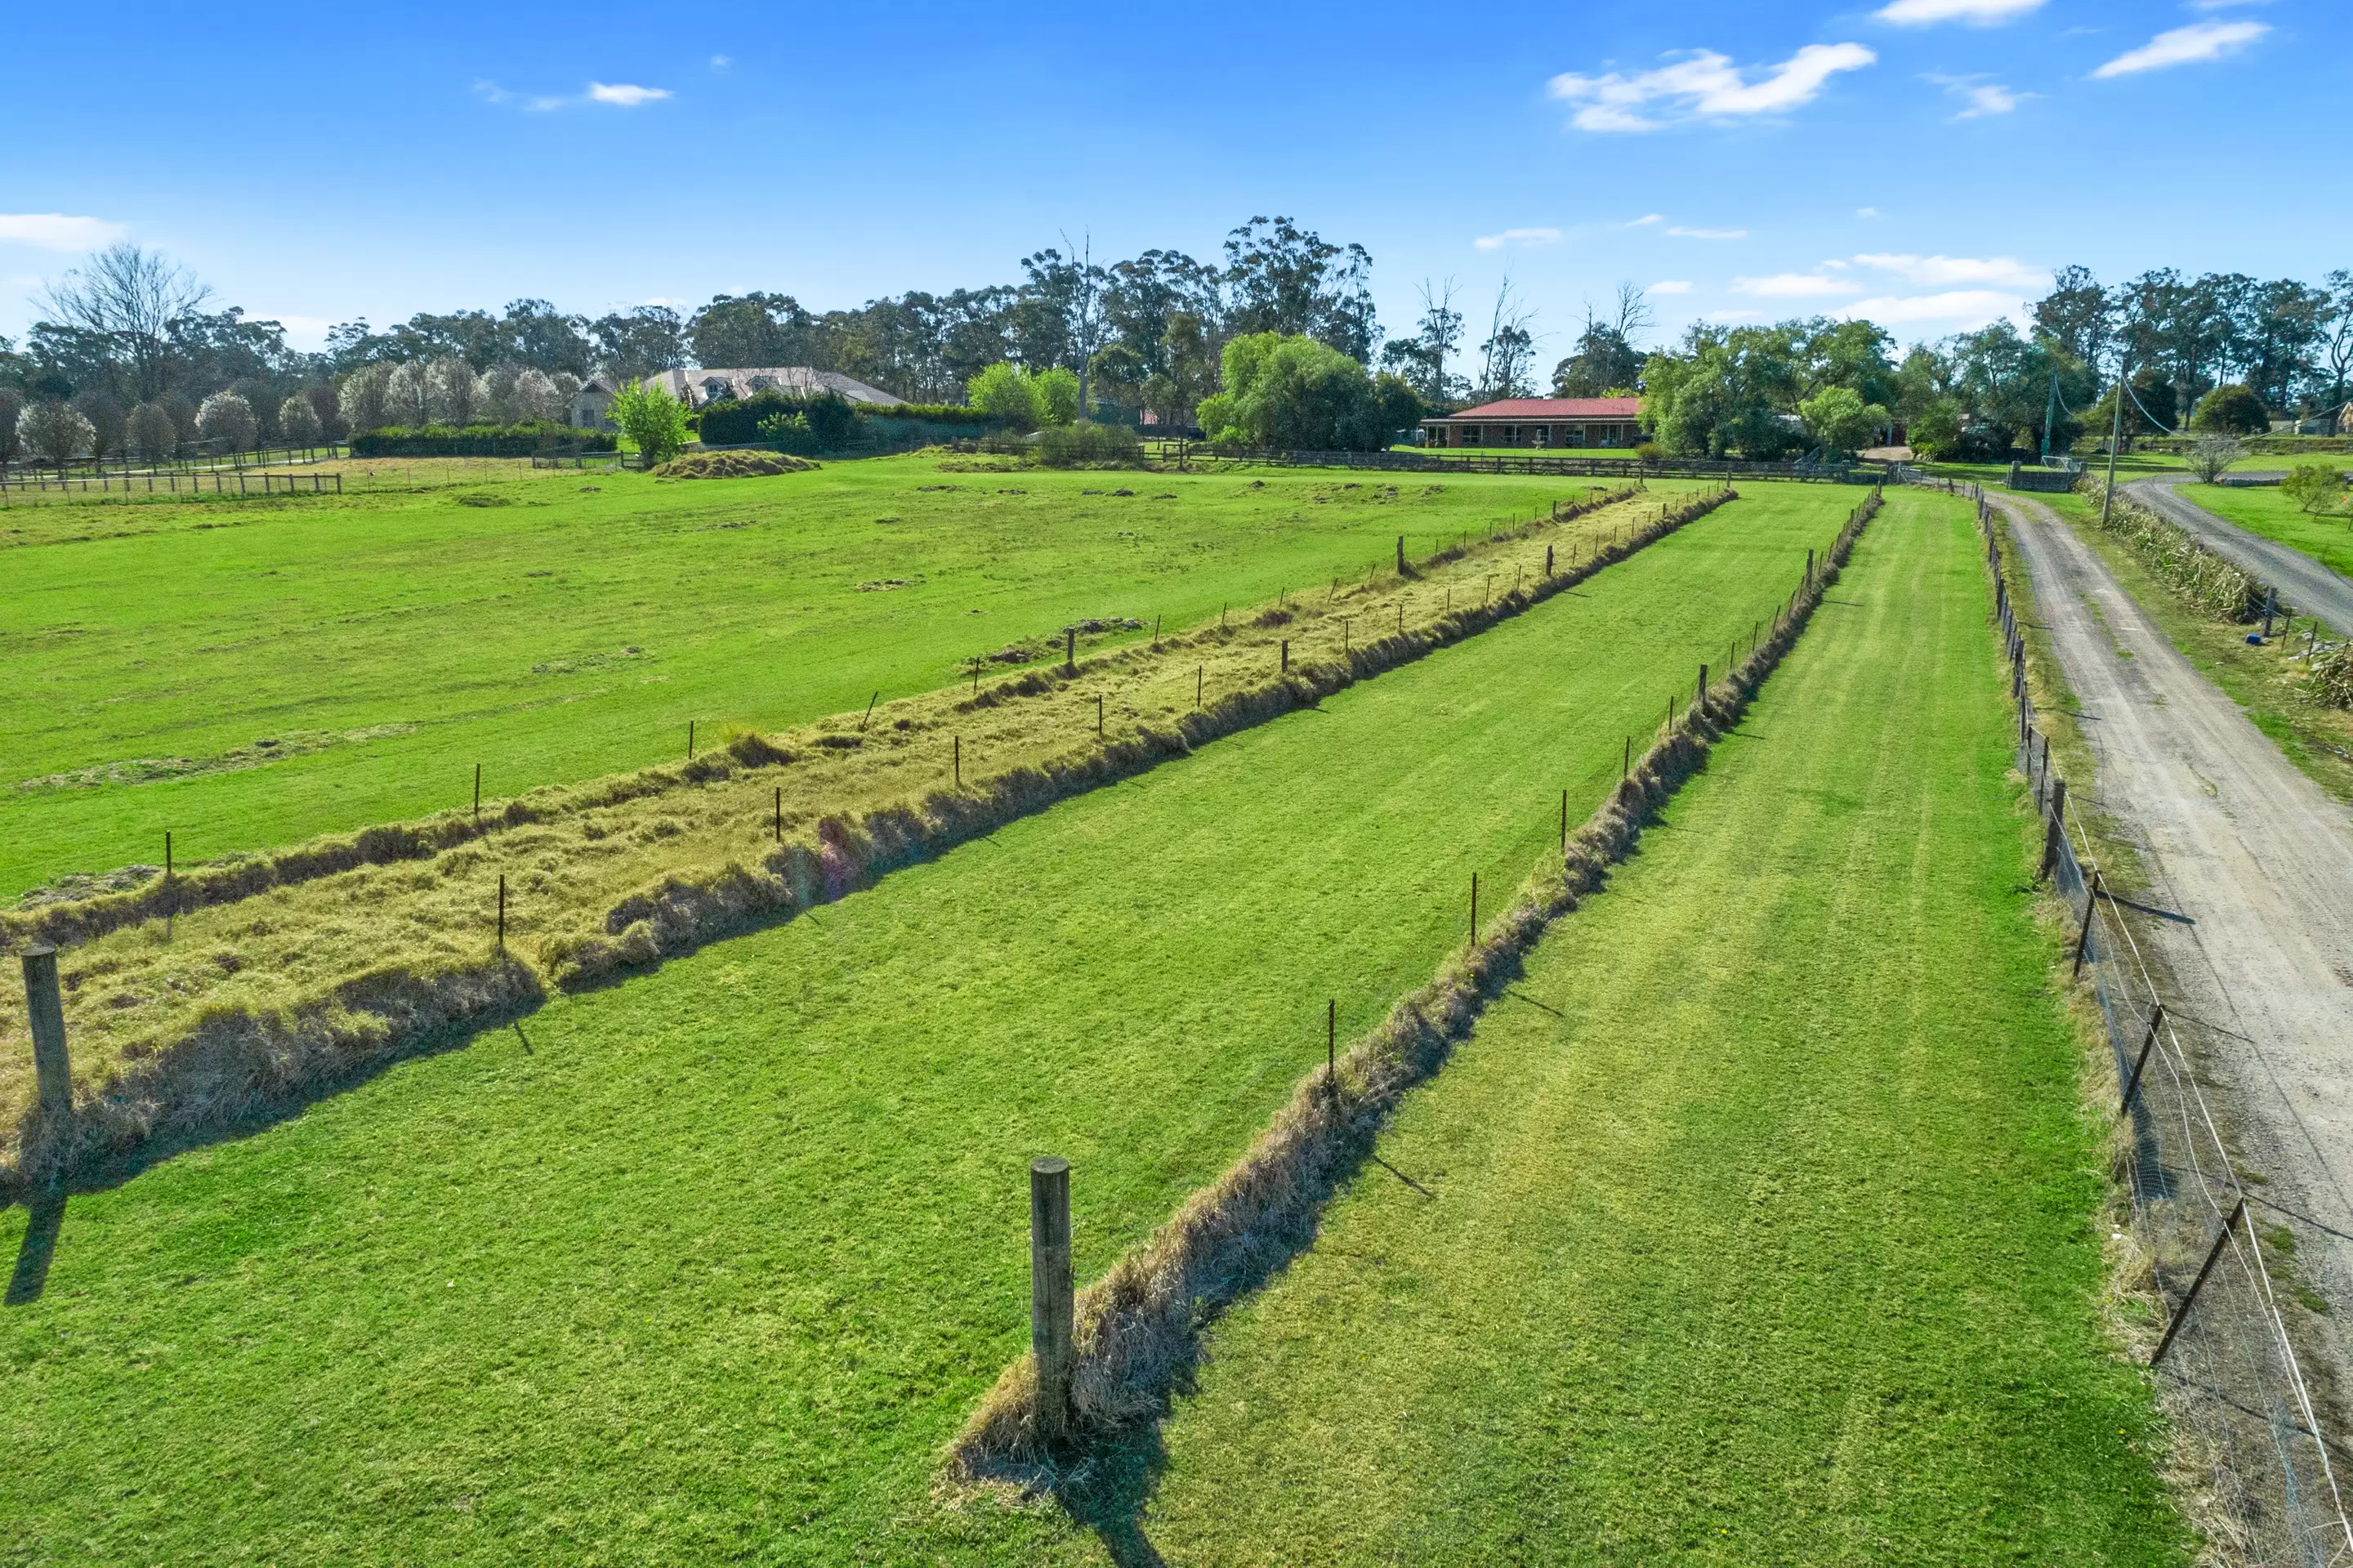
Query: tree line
[
  {"x": 2223, "y": 353},
  {"x": 133, "y": 355},
  {"x": 130, "y": 330}
]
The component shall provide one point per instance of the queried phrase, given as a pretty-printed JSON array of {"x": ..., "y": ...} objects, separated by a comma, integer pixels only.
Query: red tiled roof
[{"x": 1541, "y": 408}]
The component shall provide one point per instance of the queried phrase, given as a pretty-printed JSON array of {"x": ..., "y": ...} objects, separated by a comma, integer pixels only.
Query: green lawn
[
  {"x": 711, "y": 1263},
  {"x": 390, "y": 641},
  {"x": 1757, "y": 1226},
  {"x": 2268, "y": 513}
]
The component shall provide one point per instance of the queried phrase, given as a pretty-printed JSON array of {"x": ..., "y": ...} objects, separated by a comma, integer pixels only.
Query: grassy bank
[
  {"x": 251, "y": 673},
  {"x": 1759, "y": 1229},
  {"x": 712, "y": 1262}
]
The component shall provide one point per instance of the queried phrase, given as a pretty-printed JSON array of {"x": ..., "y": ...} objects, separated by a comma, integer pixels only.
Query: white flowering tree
[
  {"x": 298, "y": 423},
  {"x": 407, "y": 394},
  {"x": 55, "y": 433},
  {"x": 453, "y": 392},
  {"x": 227, "y": 418},
  {"x": 365, "y": 399},
  {"x": 152, "y": 436},
  {"x": 536, "y": 399}
]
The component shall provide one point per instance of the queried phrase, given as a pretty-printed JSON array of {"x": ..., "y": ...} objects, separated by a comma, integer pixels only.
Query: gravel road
[
  {"x": 2256, "y": 865},
  {"x": 2304, "y": 584}
]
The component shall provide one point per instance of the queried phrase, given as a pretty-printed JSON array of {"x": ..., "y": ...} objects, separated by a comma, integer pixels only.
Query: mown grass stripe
[{"x": 1767, "y": 1237}]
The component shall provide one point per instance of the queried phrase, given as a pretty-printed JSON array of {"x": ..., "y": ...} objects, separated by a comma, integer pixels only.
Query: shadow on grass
[
  {"x": 48, "y": 1216},
  {"x": 101, "y": 1173}
]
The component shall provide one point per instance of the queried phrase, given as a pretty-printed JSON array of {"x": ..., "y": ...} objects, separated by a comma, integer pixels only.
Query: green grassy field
[
  {"x": 2328, "y": 540},
  {"x": 710, "y": 1264},
  {"x": 556, "y": 627},
  {"x": 1757, "y": 1226}
]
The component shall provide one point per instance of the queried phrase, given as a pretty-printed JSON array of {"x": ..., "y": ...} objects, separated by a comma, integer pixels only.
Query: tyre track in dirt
[{"x": 2254, "y": 865}]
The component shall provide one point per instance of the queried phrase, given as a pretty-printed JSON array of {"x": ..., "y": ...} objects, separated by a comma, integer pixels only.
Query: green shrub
[
  {"x": 823, "y": 423},
  {"x": 1008, "y": 395},
  {"x": 477, "y": 440},
  {"x": 1088, "y": 445},
  {"x": 2231, "y": 411},
  {"x": 1296, "y": 393},
  {"x": 2316, "y": 487}
]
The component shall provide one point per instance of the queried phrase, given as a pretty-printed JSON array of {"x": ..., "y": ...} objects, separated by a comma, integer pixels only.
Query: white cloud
[
  {"x": 1980, "y": 98},
  {"x": 1520, "y": 236},
  {"x": 624, "y": 95},
  {"x": 1682, "y": 233},
  {"x": 1965, "y": 308},
  {"x": 720, "y": 62},
  {"x": 56, "y": 231},
  {"x": 1866, "y": 212},
  {"x": 1942, "y": 271},
  {"x": 2193, "y": 45},
  {"x": 1646, "y": 220},
  {"x": 1976, "y": 13},
  {"x": 306, "y": 332},
  {"x": 1672, "y": 286},
  {"x": 1703, "y": 85},
  {"x": 1793, "y": 286}
]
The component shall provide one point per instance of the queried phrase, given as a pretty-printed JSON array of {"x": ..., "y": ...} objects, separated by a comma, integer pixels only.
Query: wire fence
[
  {"x": 229, "y": 482},
  {"x": 2225, "y": 1359}
]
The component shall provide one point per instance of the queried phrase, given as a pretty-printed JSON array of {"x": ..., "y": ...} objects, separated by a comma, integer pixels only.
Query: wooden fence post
[
  {"x": 1070, "y": 651},
  {"x": 2083, "y": 938},
  {"x": 2140, "y": 1064},
  {"x": 52, "y": 1071},
  {"x": 1050, "y": 1314},
  {"x": 2181, "y": 1314},
  {"x": 1286, "y": 655}
]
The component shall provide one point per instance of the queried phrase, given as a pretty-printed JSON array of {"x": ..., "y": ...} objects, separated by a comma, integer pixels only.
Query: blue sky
[{"x": 1925, "y": 162}]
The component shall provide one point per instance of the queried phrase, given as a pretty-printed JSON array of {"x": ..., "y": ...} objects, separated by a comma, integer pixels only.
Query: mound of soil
[{"x": 730, "y": 465}]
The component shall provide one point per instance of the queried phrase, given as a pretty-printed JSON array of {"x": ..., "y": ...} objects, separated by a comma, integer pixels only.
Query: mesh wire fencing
[{"x": 2225, "y": 1360}]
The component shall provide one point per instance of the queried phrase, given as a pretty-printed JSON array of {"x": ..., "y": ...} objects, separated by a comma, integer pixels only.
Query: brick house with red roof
[{"x": 1539, "y": 422}]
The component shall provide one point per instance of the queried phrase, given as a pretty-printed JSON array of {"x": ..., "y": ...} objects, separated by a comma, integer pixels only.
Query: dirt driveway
[
  {"x": 2254, "y": 866},
  {"x": 2304, "y": 585}
]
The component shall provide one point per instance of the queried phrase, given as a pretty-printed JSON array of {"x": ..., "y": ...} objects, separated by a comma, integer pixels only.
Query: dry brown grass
[
  {"x": 1137, "y": 1329},
  {"x": 244, "y": 986}
]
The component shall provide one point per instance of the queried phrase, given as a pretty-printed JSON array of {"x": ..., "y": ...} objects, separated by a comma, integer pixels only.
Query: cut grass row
[
  {"x": 1760, "y": 1231},
  {"x": 283, "y": 975},
  {"x": 714, "y": 1261},
  {"x": 557, "y": 627}
]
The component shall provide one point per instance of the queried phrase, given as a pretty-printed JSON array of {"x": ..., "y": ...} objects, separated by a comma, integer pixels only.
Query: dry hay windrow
[
  {"x": 731, "y": 463},
  {"x": 2180, "y": 560},
  {"x": 242, "y": 988},
  {"x": 1138, "y": 1329}
]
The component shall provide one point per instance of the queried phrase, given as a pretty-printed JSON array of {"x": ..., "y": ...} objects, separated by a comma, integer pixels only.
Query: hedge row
[{"x": 477, "y": 440}]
